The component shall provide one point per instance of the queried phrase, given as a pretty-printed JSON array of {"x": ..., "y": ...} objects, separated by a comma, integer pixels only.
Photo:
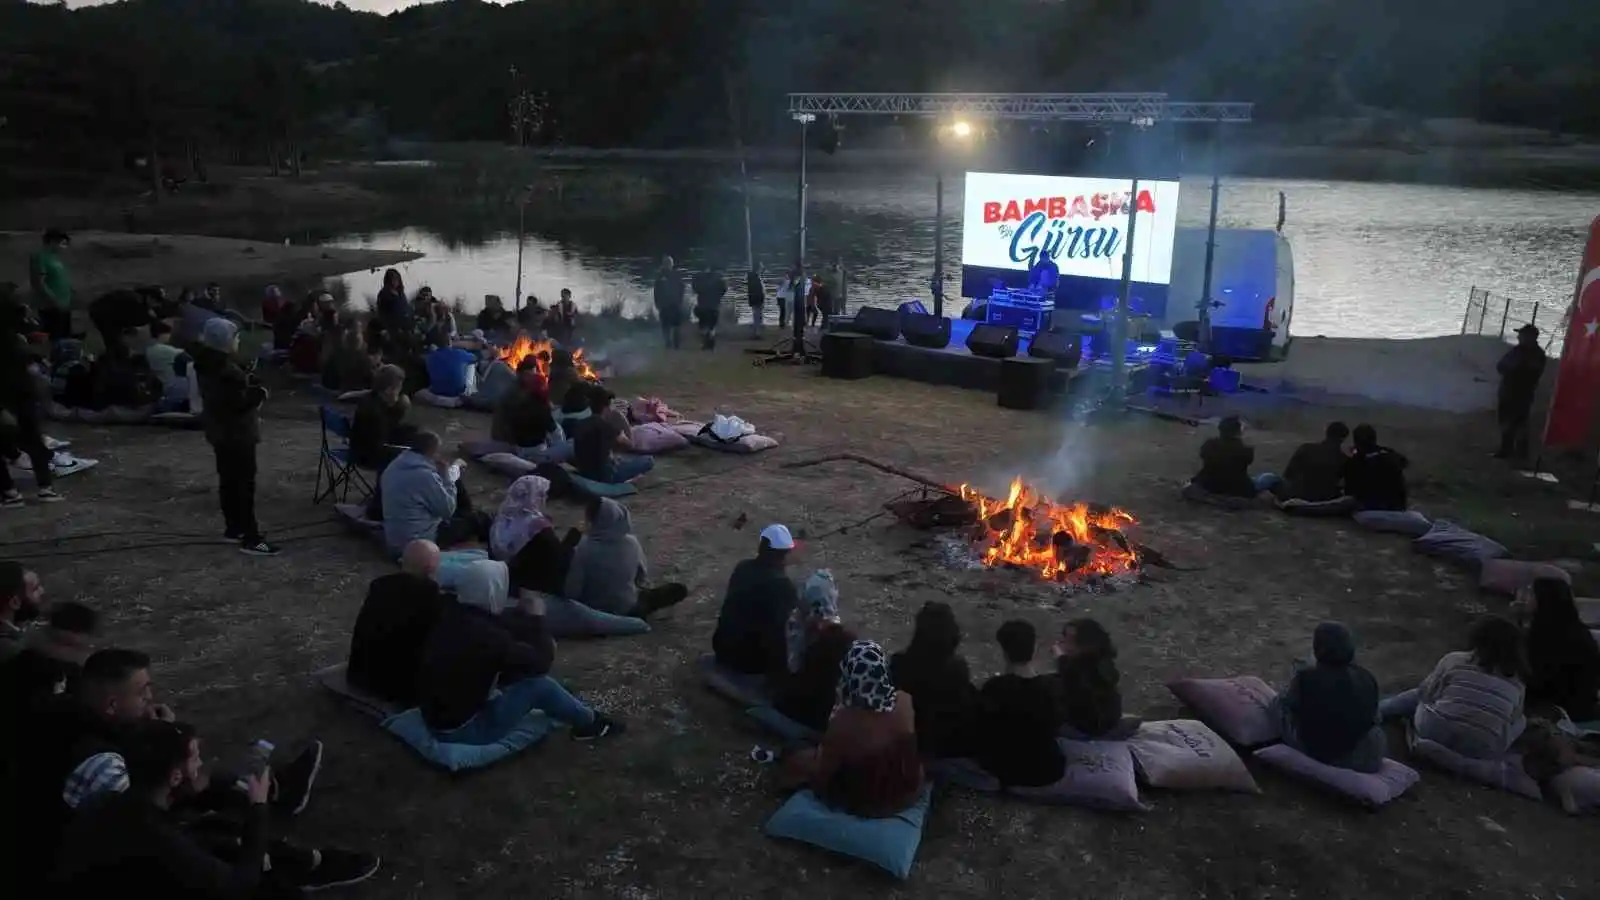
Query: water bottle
[{"x": 259, "y": 757}]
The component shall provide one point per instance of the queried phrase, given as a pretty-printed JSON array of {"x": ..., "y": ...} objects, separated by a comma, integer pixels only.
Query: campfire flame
[
  {"x": 524, "y": 348},
  {"x": 1057, "y": 541}
]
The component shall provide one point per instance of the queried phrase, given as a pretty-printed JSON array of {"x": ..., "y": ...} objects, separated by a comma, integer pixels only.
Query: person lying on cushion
[
  {"x": 1472, "y": 702},
  {"x": 424, "y": 498},
  {"x": 751, "y": 626},
  {"x": 608, "y": 571},
  {"x": 522, "y": 417},
  {"x": 399, "y": 613},
  {"x": 1330, "y": 710},
  {"x": 937, "y": 676},
  {"x": 1225, "y": 464},
  {"x": 1563, "y": 659},
  {"x": 1087, "y": 677},
  {"x": 524, "y": 538},
  {"x": 816, "y": 643},
  {"x": 452, "y": 371},
  {"x": 379, "y": 429},
  {"x": 479, "y": 646},
  {"x": 597, "y": 439},
  {"x": 1375, "y": 475},
  {"x": 1316, "y": 470},
  {"x": 1018, "y": 718},
  {"x": 867, "y": 764}
]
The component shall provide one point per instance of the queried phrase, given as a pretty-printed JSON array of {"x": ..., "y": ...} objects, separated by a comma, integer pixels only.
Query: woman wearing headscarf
[
  {"x": 524, "y": 537},
  {"x": 232, "y": 400},
  {"x": 1563, "y": 658},
  {"x": 608, "y": 571},
  {"x": 933, "y": 671},
  {"x": 867, "y": 764},
  {"x": 815, "y": 646}
]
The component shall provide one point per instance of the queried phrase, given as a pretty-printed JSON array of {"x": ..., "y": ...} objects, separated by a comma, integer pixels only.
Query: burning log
[{"x": 1069, "y": 554}]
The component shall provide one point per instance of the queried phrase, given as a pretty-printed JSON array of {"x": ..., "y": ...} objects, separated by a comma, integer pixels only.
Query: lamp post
[
  {"x": 522, "y": 231},
  {"x": 961, "y": 132},
  {"x": 805, "y": 119},
  {"x": 1119, "y": 330}
]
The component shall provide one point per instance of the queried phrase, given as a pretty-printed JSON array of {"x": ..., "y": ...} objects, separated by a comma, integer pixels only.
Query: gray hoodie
[
  {"x": 608, "y": 564},
  {"x": 416, "y": 499},
  {"x": 485, "y": 584}
]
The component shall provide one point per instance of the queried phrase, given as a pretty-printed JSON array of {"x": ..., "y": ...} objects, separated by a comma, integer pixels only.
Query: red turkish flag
[{"x": 1578, "y": 377}]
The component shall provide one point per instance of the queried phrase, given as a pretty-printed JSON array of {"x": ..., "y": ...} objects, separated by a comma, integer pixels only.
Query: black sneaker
[
  {"x": 292, "y": 784},
  {"x": 258, "y": 547},
  {"x": 600, "y": 727},
  {"x": 49, "y": 495},
  {"x": 339, "y": 868},
  {"x": 663, "y": 598}
]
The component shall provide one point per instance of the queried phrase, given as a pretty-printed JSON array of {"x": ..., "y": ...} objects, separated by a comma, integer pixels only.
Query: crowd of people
[
  {"x": 1370, "y": 475},
  {"x": 807, "y": 299}
]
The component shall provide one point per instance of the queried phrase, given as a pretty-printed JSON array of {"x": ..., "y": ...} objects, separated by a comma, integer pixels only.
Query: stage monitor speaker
[
  {"x": 847, "y": 355},
  {"x": 880, "y": 323},
  {"x": 1065, "y": 350},
  {"x": 1025, "y": 382},
  {"x": 993, "y": 341},
  {"x": 926, "y": 331}
]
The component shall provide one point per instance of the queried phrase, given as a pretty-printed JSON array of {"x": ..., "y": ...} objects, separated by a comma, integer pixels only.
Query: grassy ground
[{"x": 674, "y": 808}]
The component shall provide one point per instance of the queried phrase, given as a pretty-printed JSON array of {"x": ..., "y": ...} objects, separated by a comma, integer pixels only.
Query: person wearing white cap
[{"x": 751, "y": 635}]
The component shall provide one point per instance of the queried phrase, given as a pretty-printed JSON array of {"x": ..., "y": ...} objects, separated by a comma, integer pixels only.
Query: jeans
[
  {"x": 1401, "y": 706},
  {"x": 565, "y": 618},
  {"x": 30, "y": 440},
  {"x": 502, "y": 712},
  {"x": 1267, "y": 481},
  {"x": 236, "y": 489},
  {"x": 1428, "y": 726},
  {"x": 627, "y": 469}
]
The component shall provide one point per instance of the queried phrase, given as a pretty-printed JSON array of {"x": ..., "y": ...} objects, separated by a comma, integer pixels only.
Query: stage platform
[{"x": 953, "y": 365}]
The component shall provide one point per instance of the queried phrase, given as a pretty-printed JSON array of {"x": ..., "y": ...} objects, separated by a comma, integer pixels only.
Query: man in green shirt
[{"x": 52, "y": 288}]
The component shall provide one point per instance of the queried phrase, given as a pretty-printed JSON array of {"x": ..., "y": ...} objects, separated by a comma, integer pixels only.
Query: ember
[
  {"x": 1060, "y": 542},
  {"x": 524, "y": 348}
]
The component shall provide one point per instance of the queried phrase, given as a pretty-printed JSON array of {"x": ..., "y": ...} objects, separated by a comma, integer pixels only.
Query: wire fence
[{"x": 1501, "y": 316}]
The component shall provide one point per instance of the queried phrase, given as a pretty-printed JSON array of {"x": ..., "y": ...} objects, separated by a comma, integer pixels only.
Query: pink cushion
[
  {"x": 1374, "y": 790},
  {"x": 1099, "y": 775},
  {"x": 656, "y": 438},
  {"x": 1235, "y": 707},
  {"x": 1504, "y": 773},
  {"x": 1511, "y": 576},
  {"x": 1185, "y": 755},
  {"x": 1578, "y": 790}
]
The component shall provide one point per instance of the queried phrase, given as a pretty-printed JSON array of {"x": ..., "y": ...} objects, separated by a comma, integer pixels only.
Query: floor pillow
[
  {"x": 1578, "y": 790},
  {"x": 355, "y": 515},
  {"x": 745, "y": 690},
  {"x": 1185, "y": 755},
  {"x": 1235, "y": 707},
  {"x": 478, "y": 449},
  {"x": 890, "y": 844},
  {"x": 687, "y": 428},
  {"x": 53, "y": 444},
  {"x": 750, "y": 443},
  {"x": 565, "y": 618},
  {"x": 176, "y": 419},
  {"x": 1504, "y": 774},
  {"x": 333, "y": 679},
  {"x": 656, "y": 438},
  {"x": 1374, "y": 790},
  {"x": 116, "y": 415},
  {"x": 414, "y": 732},
  {"x": 62, "y": 464},
  {"x": 598, "y": 488},
  {"x": 963, "y": 772},
  {"x": 1511, "y": 576},
  {"x": 768, "y": 717},
  {"x": 509, "y": 464},
  {"x": 429, "y": 398},
  {"x": 1589, "y": 611},
  {"x": 1339, "y": 506},
  {"x": 1099, "y": 775},
  {"x": 1194, "y": 493},
  {"x": 1449, "y": 541},
  {"x": 1408, "y": 522}
]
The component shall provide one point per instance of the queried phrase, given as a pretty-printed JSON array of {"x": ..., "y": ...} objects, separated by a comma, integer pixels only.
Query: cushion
[
  {"x": 750, "y": 443},
  {"x": 964, "y": 772},
  {"x": 509, "y": 464},
  {"x": 1235, "y": 707},
  {"x": 332, "y": 679},
  {"x": 410, "y": 729},
  {"x": 1577, "y": 789},
  {"x": 1449, "y": 541},
  {"x": 175, "y": 419},
  {"x": 116, "y": 415},
  {"x": 1505, "y": 773},
  {"x": 1099, "y": 775},
  {"x": 1185, "y": 755},
  {"x": 429, "y": 398},
  {"x": 745, "y": 690},
  {"x": 1511, "y": 576},
  {"x": 686, "y": 428},
  {"x": 598, "y": 488},
  {"x": 1410, "y": 522},
  {"x": 1194, "y": 493},
  {"x": 1339, "y": 506},
  {"x": 1589, "y": 611},
  {"x": 890, "y": 844},
  {"x": 355, "y": 515},
  {"x": 768, "y": 717},
  {"x": 481, "y": 448},
  {"x": 655, "y": 438},
  {"x": 1374, "y": 790},
  {"x": 565, "y": 618}
]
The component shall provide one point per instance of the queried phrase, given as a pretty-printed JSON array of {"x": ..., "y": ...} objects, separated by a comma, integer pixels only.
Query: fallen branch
[{"x": 923, "y": 480}]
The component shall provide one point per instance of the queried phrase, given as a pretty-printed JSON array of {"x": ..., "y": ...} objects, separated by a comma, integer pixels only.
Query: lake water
[{"x": 1371, "y": 260}]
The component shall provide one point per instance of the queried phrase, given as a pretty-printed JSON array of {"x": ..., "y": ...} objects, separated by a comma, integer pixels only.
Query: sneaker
[
  {"x": 11, "y": 500},
  {"x": 664, "y": 598},
  {"x": 258, "y": 547},
  {"x": 600, "y": 727},
  {"x": 339, "y": 868},
  {"x": 292, "y": 783},
  {"x": 49, "y": 495}
]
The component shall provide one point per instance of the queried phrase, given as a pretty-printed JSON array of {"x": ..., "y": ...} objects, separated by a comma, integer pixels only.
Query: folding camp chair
[{"x": 336, "y": 465}]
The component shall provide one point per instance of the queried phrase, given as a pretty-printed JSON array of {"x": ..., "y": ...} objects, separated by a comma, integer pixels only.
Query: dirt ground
[{"x": 674, "y": 807}]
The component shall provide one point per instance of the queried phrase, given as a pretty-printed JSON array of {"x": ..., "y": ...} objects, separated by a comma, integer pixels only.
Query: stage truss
[{"x": 1128, "y": 108}]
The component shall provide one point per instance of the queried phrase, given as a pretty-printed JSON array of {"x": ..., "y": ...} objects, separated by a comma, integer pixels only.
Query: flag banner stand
[{"x": 1574, "y": 404}]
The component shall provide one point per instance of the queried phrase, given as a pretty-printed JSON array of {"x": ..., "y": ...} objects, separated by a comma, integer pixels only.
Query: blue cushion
[
  {"x": 890, "y": 844},
  {"x": 781, "y": 725},
  {"x": 600, "y": 488},
  {"x": 747, "y": 690},
  {"x": 410, "y": 728},
  {"x": 453, "y": 564}
]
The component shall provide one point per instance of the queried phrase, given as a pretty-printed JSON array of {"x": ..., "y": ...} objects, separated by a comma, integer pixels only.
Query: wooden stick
[{"x": 872, "y": 464}]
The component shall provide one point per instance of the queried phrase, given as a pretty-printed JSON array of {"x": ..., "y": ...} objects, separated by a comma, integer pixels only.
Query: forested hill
[{"x": 652, "y": 73}]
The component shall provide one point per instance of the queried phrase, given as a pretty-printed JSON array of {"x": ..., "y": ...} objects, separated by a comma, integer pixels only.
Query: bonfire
[
  {"x": 541, "y": 352},
  {"x": 1059, "y": 541}
]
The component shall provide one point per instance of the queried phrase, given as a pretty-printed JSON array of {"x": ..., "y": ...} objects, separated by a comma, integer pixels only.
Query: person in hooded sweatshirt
[
  {"x": 231, "y": 399},
  {"x": 608, "y": 571},
  {"x": 424, "y": 499},
  {"x": 1330, "y": 710},
  {"x": 480, "y": 646}
]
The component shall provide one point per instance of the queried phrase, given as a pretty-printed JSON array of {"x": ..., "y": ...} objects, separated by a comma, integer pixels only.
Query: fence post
[
  {"x": 1467, "y": 313},
  {"x": 1535, "y": 319},
  {"x": 1483, "y": 311},
  {"x": 1504, "y": 317}
]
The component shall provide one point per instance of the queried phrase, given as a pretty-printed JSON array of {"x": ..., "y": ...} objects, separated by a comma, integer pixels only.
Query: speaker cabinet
[
  {"x": 1025, "y": 382},
  {"x": 1065, "y": 350},
  {"x": 847, "y": 355},
  {"x": 926, "y": 331},
  {"x": 882, "y": 324},
  {"x": 993, "y": 341}
]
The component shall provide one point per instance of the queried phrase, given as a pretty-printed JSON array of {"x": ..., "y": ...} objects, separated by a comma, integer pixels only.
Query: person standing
[
  {"x": 756, "y": 296},
  {"x": 18, "y": 398},
  {"x": 561, "y": 324},
  {"x": 1520, "y": 370},
  {"x": 791, "y": 297},
  {"x": 836, "y": 283},
  {"x": 709, "y": 289},
  {"x": 52, "y": 285},
  {"x": 232, "y": 400},
  {"x": 669, "y": 302}
]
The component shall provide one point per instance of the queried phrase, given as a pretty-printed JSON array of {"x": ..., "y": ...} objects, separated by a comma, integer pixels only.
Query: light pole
[
  {"x": 1119, "y": 331},
  {"x": 805, "y": 119},
  {"x": 522, "y": 231},
  {"x": 962, "y": 132}
]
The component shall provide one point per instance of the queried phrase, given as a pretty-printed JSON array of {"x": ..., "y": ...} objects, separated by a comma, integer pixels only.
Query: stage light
[{"x": 961, "y": 129}]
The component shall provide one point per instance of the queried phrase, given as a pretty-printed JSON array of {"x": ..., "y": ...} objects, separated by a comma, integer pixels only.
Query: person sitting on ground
[
  {"x": 1316, "y": 470},
  {"x": 352, "y": 365},
  {"x": 564, "y": 376},
  {"x": 867, "y": 764},
  {"x": 438, "y": 318},
  {"x": 1086, "y": 669},
  {"x": 522, "y": 418},
  {"x": 136, "y": 840},
  {"x": 51, "y": 660},
  {"x": 1375, "y": 475},
  {"x": 1330, "y": 710},
  {"x": 399, "y": 613},
  {"x": 272, "y": 304},
  {"x": 524, "y": 538},
  {"x": 494, "y": 319},
  {"x": 751, "y": 632},
  {"x": 1225, "y": 464},
  {"x": 24, "y": 601},
  {"x": 531, "y": 317},
  {"x": 379, "y": 430},
  {"x": 424, "y": 498},
  {"x": 597, "y": 439},
  {"x": 1018, "y": 717},
  {"x": 170, "y": 365},
  {"x": 1472, "y": 702},
  {"x": 479, "y": 646},
  {"x": 937, "y": 676},
  {"x": 561, "y": 323},
  {"x": 608, "y": 571},
  {"x": 807, "y": 687},
  {"x": 118, "y": 314},
  {"x": 1563, "y": 658},
  {"x": 452, "y": 371}
]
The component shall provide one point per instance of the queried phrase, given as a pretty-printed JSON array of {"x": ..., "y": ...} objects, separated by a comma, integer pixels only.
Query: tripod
[{"x": 796, "y": 348}]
